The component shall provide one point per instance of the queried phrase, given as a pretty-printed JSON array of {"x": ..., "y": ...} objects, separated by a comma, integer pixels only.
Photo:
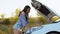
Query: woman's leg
[{"x": 16, "y": 31}]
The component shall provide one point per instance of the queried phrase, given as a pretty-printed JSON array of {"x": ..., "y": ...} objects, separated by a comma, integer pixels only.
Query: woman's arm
[
  {"x": 24, "y": 22},
  {"x": 23, "y": 19}
]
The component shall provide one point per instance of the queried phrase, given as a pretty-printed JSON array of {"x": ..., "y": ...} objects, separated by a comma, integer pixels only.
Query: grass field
[{"x": 8, "y": 29}]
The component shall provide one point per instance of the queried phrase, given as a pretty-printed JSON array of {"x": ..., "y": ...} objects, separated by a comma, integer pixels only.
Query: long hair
[{"x": 25, "y": 10}]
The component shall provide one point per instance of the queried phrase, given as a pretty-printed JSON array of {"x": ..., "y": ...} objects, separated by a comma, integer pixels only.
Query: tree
[
  {"x": 16, "y": 14},
  {"x": 3, "y": 16},
  {"x": 43, "y": 19},
  {"x": 6, "y": 21},
  {"x": 17, "y": 11},
  {"x": 38, "y": 13},
  {"x": 14, "y": 18}
]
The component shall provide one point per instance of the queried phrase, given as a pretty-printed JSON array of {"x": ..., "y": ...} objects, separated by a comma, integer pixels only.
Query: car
[
  {"x": 48, "y": 8},
  {"x": 44, "y": 29}
]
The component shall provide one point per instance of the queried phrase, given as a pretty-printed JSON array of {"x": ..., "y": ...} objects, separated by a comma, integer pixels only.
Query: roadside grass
[{"x": 8, "y": 29}]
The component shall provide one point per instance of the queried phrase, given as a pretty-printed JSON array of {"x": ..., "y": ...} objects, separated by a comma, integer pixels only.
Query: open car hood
[{"x": 47, "y": 6}]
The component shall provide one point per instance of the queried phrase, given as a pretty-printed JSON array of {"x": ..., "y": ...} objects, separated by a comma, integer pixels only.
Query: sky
[{"x": 9, "y": 6}]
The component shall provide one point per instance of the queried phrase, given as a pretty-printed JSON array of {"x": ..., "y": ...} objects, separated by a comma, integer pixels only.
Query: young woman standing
[{"x": 22, "y": 21}]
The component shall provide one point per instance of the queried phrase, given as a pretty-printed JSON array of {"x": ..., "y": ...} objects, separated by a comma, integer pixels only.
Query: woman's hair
[{"x": 25, "y": 8}]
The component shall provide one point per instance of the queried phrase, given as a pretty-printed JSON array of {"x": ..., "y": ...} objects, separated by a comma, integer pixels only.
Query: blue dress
[{"x": 21, "y": 22}]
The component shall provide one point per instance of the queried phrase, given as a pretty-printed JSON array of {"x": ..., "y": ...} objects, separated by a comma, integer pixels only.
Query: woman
[{"x": 22, "y": 21}]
